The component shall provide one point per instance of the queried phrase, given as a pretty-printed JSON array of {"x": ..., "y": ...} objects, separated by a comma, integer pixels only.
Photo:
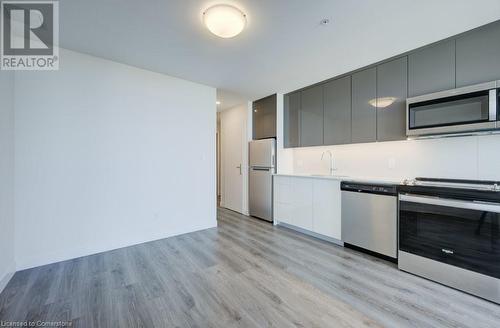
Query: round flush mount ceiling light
[
  {"x": 224, "y": 21},
  {"x": 382, "y": 102}
]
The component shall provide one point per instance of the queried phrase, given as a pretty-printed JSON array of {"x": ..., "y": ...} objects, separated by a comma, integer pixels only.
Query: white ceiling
[{"x": 283, "y": 47}]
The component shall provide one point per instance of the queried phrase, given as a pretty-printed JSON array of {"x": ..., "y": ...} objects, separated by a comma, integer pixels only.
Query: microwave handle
[
  {"x": 469, "y": 205},
  {"x": 493, "y": 105}
]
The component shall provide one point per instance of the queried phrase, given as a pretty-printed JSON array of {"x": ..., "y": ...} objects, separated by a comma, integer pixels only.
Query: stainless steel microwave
[{"x": 462, "y": 110}]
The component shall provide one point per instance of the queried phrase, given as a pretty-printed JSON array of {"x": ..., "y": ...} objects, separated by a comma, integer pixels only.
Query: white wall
[
  {"x": 7, "y": 263},
  {"x": 473, "y": 157},
  {"x": 107, "y": 156}
]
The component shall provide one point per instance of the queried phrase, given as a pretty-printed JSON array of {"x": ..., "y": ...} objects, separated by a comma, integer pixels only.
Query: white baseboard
[
  {"x": 310, "y": 233},
  {"x": 4, "y": 280}
]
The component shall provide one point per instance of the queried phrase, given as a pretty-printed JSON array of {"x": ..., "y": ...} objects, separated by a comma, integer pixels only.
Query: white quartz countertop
[{"x": 364, "y": 179}]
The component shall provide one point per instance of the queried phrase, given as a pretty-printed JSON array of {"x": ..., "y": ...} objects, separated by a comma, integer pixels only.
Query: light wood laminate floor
[{"x": 245, "y": 273}]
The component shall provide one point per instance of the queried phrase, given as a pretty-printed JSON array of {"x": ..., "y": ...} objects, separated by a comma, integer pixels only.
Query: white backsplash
[{"x": 473, "y": 157}]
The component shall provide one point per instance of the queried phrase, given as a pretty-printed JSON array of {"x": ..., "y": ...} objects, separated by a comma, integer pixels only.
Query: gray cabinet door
[
  {"x": 337, "y": 111},
  {"x": 364, "y": 115},
  {"x": 257, "y": 129},
  {"x": 432, "y": 69},
  {"x": 392, "y": 82},
  {"x": 478, "y": 56},
  {"x": 264, "y": 118},
  {"x": 291, "y": 120},
  {"x": 269, "y": 117},
  {"x": 311, "y": 117}
]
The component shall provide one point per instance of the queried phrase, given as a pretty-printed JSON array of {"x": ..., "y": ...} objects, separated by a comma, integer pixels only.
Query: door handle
[
  {"x": 260, "y": 169},
  {"x": 239, "y": 167},
  {"x": 469, "y": 205},
  {"x": 493, "y": 105}
]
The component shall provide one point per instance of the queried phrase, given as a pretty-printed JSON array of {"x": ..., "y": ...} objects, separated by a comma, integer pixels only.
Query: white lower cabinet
[
  {"x": 326, "y": 208},
  {"x": 301, "y": 201},
  {"x": 293, "y": 201},
  {"x": 308, "y": 203}
]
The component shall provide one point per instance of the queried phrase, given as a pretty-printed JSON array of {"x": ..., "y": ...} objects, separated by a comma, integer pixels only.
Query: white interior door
[{"x": 234, "y": 148}]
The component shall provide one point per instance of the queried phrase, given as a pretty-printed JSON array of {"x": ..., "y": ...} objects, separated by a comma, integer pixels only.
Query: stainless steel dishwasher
[{"x": 369, "y": 217}]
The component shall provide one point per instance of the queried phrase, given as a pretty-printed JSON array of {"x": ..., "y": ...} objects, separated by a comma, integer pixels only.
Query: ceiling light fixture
[
  {"x": 217, "y": 102},
  {"x": 382, "y": 102},
  {"x": 224, "y": 21}
]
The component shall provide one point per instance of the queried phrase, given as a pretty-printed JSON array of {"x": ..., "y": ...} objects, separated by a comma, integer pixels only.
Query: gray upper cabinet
[
  {"x": 364, "y": 115},
  {"x": 370, "y": 105},
  {"x": 392, "y": 88},
  {"x": 478, "y": 56},
  {"x": 291, "y": 120},
  {"x": 264, "y": 118},
  {"x": 337, "y": 111},
  {"x": 432, "y": 69},
  {"x": 311, "y": 116}
]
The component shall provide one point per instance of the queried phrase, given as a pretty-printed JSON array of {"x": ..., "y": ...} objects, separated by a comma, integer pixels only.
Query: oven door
[
  {"x": 460, "y": 233},
  {"x": 460, "y": 110}
]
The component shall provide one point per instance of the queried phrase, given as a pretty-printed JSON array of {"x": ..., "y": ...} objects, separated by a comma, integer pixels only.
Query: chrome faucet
[{"x": 332, "y": 168}]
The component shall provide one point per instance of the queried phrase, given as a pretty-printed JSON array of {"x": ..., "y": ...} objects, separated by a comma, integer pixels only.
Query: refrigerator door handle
[
  {"x": 239, "y": 167},
  {"x": 261, "y": 168}
]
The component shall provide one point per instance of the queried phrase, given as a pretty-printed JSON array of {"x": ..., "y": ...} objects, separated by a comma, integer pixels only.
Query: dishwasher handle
[{"x": 379, "y": 189}]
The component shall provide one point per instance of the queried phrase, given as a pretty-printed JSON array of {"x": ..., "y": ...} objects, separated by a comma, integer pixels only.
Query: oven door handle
[{"x": 463, "y": 204}]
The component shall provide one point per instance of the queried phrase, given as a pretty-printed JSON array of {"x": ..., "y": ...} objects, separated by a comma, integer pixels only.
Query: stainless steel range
[{"x": 449, "y": 232}]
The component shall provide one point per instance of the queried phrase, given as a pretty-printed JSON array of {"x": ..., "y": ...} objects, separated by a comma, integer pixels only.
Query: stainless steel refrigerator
[{"x": 262, "y": 168}]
